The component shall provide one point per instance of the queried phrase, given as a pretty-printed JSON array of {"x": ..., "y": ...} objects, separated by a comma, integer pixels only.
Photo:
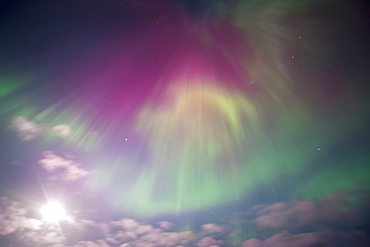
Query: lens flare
[{"x": 53, "y": 212}]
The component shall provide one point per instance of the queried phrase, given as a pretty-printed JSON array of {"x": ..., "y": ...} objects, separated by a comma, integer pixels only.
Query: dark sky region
[{"x": 185, "y": 123}]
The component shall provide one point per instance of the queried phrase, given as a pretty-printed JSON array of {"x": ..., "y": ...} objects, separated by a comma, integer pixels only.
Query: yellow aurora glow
[{"x": 198, "y": 119}]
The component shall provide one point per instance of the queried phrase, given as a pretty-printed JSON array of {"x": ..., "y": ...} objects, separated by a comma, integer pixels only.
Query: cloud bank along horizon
[{"x": 178, "y": 113}]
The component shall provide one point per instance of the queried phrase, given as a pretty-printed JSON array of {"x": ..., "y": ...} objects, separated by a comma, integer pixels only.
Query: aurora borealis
[{"x": 253, "y": 112}]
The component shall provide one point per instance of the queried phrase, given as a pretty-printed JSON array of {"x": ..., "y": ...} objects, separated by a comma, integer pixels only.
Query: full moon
[{"x": 53, "y": 212}]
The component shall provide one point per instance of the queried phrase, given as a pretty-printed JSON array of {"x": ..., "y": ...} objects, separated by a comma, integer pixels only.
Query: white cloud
[
  {"x": 62, "y": 130},
  {"x": 143, "y": 229},
  {"x": 166, "y": 225},
  {"x": 131, "y": 233},
  {"x": 86, "y": 244},
  {"x": 126, "y": 245},
  {"x": 252, "y": 243},
  {"x": 51, "y": 236},
  {"x": 112, "y": 241},
  {"x": 209, "y": 242},
  {"x": 125, "y": 236},
  {"x": 11, "y": 216},
  {"x": 304, "y": 213},
  {"x": 127, "y": 224},
  {"x": 105, "y": 229},
  {"x": 309, "y": 239},
  {"x": 212, "y": 228},
  {"x": 27, "y": 130},
  {"x": 166, "y": 238},
  {"x": 61, "y": 167},
  {"x": 102, "y": 243},
  {"x": 32, "y": 224}
]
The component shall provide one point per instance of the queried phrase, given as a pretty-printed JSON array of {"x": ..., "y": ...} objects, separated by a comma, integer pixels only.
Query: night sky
[{"x": 185, "y": 123}]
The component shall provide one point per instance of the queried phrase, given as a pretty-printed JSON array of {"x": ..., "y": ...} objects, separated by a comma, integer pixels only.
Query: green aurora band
[{"x": 206, "y": 142}]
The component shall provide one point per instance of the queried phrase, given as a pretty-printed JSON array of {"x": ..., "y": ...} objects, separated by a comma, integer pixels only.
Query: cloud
[
  {"x": 252, "y": 243},
  {"x": 166, "y": 225},
  {"x": 288, "y": 219},
  {"x": 335, "y": 219},
  {"x": 28, "y": 130},
  {"x": 164, "y": 238},
  {"x": 303, "y": 240},
  {"x": 62, "y": 168},
  {"x": 147, "y": 235},
  {"x": 62, "y": 130},
  {"x": 86, "y": 244},
  {"x": 124, "y": 236},
  {"x": 32, "y": 224},
  {"x": 127, "y": 224},
  {"x": 12, "y": 217},
  {"x": 311, "y": 239},
  {"x": 209, "y": 242},
  {"x": 212, "y": 228},
  {"x": 129, "y": 232},
  {"x": 144, "y": 229},
  {"x": 303, "y": 213},
  {"x": 103, "y": 243},
  {"x": 50, "y": 236}
]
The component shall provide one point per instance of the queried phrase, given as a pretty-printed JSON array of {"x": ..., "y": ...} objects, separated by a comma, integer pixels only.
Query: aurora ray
[{"x": 183, "y": 111}]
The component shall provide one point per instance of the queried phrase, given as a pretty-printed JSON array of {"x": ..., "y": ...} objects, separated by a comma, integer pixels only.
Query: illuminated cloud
[
  {"x": 49, "y": 237},
  {"x": 102, "y": 243},
  {"x": 301, "y": 213},
  {"x": 327, "y": 222},
  {"x": 32, "y": 224},
  {"x": 62, "y": 130},
  {"x": 303, "y": 239},
  {"x": 126, "y": 236},
  {"x": 87, "y": 244},
  {"x": 322, "y": 238},
  {"x": 212, "y": 228},
  {"x": 127, "y": 224},
  {"x": 144, "y": 229},
  {"x": 166, "y": 225},
  {"x": 165, "y": 238},
  {"x": 27, "y": 130},
  {"x": 208, "y": 241},
  {"x": 252, "y": 243},
  {"x": 62, "y": 167},
  {"x": 12, "y": 217},
  {"x": 128, "y": 232}
]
